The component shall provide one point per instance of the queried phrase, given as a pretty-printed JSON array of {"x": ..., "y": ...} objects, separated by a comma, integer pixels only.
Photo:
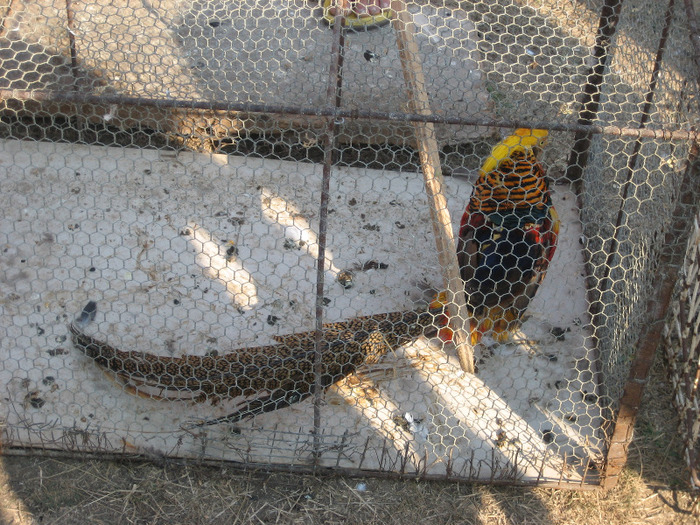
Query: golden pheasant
[
  {"x": 268, "y": 377},
  {"x": 507, "y": 236}
]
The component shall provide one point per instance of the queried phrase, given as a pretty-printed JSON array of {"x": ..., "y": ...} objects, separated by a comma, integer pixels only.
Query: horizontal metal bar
[
  {"x": 339, "y": 113},
  {"x": 298, "y": 468}
]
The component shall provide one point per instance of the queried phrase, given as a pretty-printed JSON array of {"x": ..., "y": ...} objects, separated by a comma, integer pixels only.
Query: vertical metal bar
[
  {"x": 333, "y": 96},
  {"x": 609, "y": 17},
  {"x": 578, "y": 159},
  {"x": 586, "y": 469},
  {"x": 632, "y": 162},
  {"x": 561, "y": 472}
]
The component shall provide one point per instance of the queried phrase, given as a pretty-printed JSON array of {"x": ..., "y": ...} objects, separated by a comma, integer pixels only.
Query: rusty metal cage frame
[{"x": 587, "y": 129}]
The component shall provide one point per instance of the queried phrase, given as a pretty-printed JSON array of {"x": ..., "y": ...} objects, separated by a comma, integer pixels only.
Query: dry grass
[{"x": 653, "y": 490}]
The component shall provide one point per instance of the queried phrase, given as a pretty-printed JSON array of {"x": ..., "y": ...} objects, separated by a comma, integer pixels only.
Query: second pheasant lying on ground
[{"x": 266, "y": 377}]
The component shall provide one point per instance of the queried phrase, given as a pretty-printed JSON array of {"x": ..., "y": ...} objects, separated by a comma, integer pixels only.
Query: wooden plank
[{"x": 434, "y": 182}]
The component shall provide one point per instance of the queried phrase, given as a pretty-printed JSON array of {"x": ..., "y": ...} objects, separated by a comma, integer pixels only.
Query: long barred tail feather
[{"x": 268, "y": 377}]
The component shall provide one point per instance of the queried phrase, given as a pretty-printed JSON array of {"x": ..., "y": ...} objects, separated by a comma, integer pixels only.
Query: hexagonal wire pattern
[{"x": 178, "y": 172}]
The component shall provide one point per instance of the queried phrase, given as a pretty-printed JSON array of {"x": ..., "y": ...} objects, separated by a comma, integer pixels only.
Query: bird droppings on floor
[{"x": 195, "y": 254}]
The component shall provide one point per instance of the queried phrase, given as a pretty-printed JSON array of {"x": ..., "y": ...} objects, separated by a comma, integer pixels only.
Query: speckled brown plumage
[{"x": 269, "y": 377}]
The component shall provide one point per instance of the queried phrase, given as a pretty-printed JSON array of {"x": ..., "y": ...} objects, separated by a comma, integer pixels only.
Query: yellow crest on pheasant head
[{"x": 523, "y": 139}]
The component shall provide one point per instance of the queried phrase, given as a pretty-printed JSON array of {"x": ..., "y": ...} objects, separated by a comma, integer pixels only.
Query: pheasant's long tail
[{"x": 267, "y": 377}]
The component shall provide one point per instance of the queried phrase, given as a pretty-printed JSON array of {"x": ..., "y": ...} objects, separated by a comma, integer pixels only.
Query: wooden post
[{"x": 434, "y": 182}]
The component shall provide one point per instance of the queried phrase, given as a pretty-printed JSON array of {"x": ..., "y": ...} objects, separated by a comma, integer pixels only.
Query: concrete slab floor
[{"x": 147, "y": 235}]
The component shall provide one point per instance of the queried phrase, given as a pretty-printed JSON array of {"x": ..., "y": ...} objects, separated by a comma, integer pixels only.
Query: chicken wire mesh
[{"x": 174, "y": 174}]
